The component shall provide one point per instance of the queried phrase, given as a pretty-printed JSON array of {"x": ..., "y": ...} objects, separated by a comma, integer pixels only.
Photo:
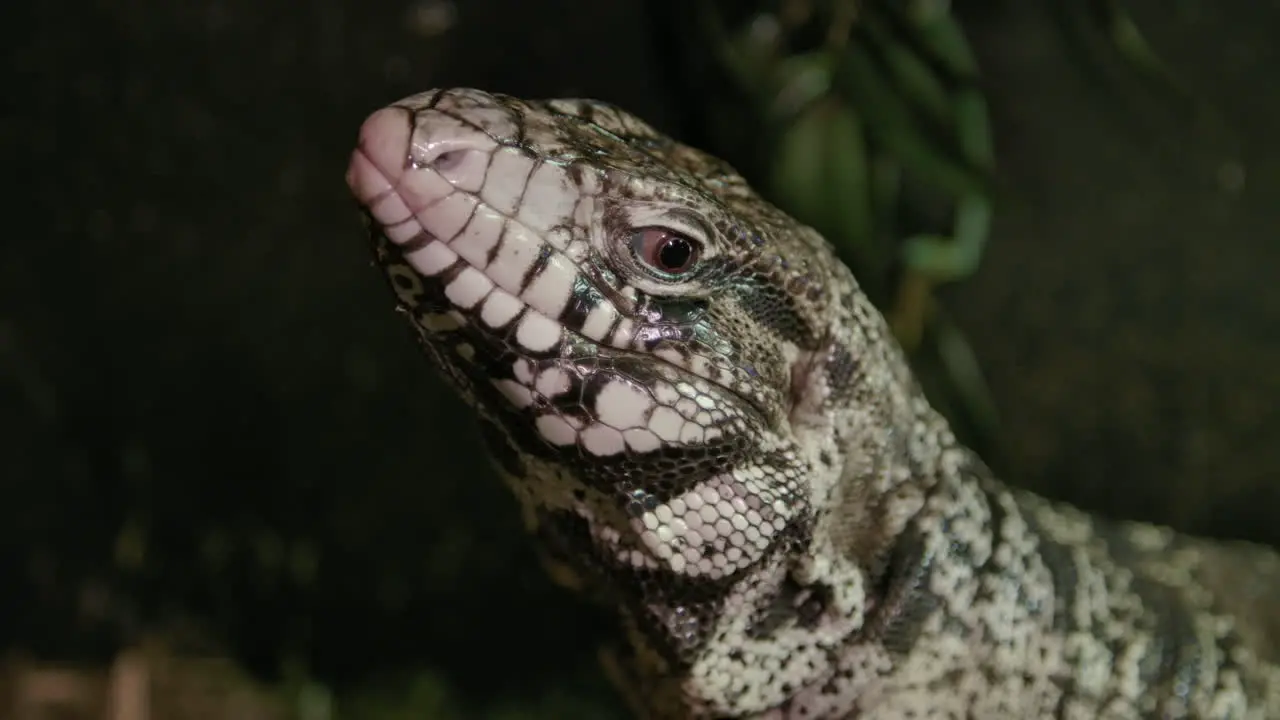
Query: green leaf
[
  {"x": 796, "y": 83},
  {"x": 893, "y": 125},
  {"x": 1129, "y": 40},
  {"x": 944, "y": 38},
  {"x": 911, "y": 74},
  {"x": 973, "y": 126},
  {"x": 820, "y": 173},
  {"x": 965, "y": 374},
  {"x": 944, "y": 259}
]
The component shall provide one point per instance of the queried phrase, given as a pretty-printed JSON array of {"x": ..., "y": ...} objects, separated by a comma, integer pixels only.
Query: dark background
[{"x": 209, "y": 413}]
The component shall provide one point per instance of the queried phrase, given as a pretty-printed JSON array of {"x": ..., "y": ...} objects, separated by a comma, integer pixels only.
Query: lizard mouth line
[
  {"x": 537, "y": 382},
  {"x": 469, "y": 304},
  {"x": 472, "y": 301},
  {"x": 513, "y": 288},
  {"x": 471, "y": 298}
]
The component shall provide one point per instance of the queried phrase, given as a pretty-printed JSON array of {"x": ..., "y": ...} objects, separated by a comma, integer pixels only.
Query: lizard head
[{"x": 654, "y": 353}]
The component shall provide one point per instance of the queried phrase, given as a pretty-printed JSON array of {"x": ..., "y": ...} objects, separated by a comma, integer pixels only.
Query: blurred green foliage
[{"x": 867, "y": 119}]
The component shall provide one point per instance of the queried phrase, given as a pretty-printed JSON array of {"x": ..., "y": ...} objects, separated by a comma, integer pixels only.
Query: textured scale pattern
[{"x": 736, "y": 457}]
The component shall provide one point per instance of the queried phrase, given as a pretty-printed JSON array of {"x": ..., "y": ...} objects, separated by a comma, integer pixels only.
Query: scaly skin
[{"x": 720, "y": 438}]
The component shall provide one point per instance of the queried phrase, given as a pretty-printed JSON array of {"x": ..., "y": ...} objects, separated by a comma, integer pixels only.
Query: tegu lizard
[{"x": 709, "y": 427}]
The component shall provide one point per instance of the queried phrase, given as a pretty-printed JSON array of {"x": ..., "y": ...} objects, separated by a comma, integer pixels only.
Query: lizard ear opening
[{"x": 810, "y": 389}]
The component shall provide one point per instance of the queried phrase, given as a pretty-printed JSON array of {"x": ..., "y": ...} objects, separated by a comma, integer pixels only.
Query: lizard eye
[{"x": 668, "y": 252}]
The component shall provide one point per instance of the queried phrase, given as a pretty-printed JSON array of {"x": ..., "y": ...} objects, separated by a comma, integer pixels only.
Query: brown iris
[{"x": 668, "y": 252}]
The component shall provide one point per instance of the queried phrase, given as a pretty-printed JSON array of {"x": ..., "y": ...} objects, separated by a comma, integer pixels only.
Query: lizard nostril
[
  {"x": 448, "y": 157},
  {"x": 448, "y": 160}
]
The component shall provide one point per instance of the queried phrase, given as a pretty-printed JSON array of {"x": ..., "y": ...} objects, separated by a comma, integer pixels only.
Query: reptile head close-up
[
  {"x": 710, "y": 428},
  {"x": 652, "y": 350}
]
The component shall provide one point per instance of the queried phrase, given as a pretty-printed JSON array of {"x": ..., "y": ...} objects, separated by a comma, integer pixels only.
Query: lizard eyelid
[{"x": 668, "y": 254}]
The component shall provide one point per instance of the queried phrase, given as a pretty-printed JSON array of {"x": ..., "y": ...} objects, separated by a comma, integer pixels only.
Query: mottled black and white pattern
[{"x": 709, "y": 427}]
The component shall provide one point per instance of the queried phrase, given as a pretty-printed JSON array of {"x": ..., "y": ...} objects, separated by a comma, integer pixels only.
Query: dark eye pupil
[
  {"x": 669, "y": 253},
  {"x": 675, "y": 253}
]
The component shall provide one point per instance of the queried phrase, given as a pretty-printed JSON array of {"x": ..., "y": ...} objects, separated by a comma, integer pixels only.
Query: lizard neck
[
  {"x": 933, "y": 562},
  {"x": 894, "y": 450}
]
